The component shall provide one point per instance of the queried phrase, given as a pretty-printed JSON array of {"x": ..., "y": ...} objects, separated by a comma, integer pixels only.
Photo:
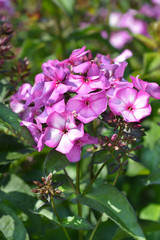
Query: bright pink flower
[
  {"x": 62, "y": 131},
  {"x": 131, "y": 104},
  {"x": 75, "y": 153},
  {"x": 151, "y": 88},
  {"x": 88, "y": 107}
]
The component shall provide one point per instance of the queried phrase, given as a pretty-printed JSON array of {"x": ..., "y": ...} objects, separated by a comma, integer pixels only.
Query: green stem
[
  {"x": 79, "y": 206},
  {"x": 119, "y": 172},
  {"x": 117, "y": 176},
  {"x": 70, "y": 181},
  {"x": 93, "y": 179},
  {"x": 59, "y": 220},
  {"x": 94, "y": 230}
]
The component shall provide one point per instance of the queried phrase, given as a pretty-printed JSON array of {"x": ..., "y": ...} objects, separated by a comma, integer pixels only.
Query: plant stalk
[{"x": 59, "y": 220}]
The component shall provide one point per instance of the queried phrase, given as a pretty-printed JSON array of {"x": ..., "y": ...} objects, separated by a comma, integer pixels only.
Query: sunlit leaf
[
  {"x": 107, "y": 199},
  {"x": 10, "y": 225}
]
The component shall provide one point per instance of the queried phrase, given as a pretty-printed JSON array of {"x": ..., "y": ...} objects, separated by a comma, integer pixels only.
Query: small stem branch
[
  {"x": 93, "y": 179},
  {"x": 59, "y": 220},
  {"x": 117, "y": 176},
  {"x": 94, "y": 230},
  {"x": 70, "y": 181}
]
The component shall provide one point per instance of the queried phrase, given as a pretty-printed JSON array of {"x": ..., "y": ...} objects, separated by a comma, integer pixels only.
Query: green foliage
[
  {"x": 109, "y": 200},
  {"x": 12, "y": 121},
  {"x": 54, "y": 162}
]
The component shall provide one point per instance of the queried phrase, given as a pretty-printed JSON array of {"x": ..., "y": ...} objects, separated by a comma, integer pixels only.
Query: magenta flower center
[
  {"x": 86, "y": 80},
  {"x": 65, "y": 131},
  {"x": 87, "y": 103},
  {"x": 130, "y": 108}
]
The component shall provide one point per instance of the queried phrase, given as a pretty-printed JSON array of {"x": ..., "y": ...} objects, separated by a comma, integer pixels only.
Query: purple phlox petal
[
  {"x": 82, "y": 68},
  {"x": 153, "y": 89},
  {"x": 138, "y": 83},
  {"x": 75, "y": 153},
  {"x": 119, "y": 72},
  {"x": 77, "y": 53},
  {"x": 36, "y": 132},
  {"x": 93, "y": 70},
  {"x": 52, "y": 137},
  {"x": 19, "y": 99},
  {"x": 58, "y": 107}
]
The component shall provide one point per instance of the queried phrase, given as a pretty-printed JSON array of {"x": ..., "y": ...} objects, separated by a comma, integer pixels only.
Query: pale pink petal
[
  {"x": 86, "y": 114},
  {"x": 99, "y": 105},
  {"x": 76, "y": 133},
  {"x": 127, "y": 95},
  {"x": 65, "y": 145},
  {"x": 56, "y": 120},
  {"x": 143, "y": 112},
  {"x": 129, "y": 116},
  {"x": 52, "y": 137},
  {"x": 75, "y": 154},
  {"x": 141, "y": 100},
  {"x": 117, "y": 106}
]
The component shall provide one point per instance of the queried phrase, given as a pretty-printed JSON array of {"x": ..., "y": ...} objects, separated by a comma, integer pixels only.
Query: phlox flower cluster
[{"x": 71, "y": 93}]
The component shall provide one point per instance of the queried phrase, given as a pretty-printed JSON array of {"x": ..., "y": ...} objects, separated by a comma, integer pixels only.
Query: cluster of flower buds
[
  {"x": 71, "y": 93},
  {"x": 5, "y": 37},
  {"x": 47, "y": 188}
]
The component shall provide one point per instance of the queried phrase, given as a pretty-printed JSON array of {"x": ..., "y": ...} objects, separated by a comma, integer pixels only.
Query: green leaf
[
  {"x": 73, "y": 222},
  {"x": 55, "y": 161},
  {"x": 12, "y": 121},
  {"x": 101, "y": 156},
  {"x": 10, "y": 225},
  {"x": 15, "y": 190},
  {"x": 146, "y": 41},
  {"x": 153, "y": 178},
  {"x": 12, "y": 149},
  {"x": 151, "y": 62},
  {"x": 107, "y": 199},
  {"x": 66, "y": 6},
  {"x": 151, "y": 212}
]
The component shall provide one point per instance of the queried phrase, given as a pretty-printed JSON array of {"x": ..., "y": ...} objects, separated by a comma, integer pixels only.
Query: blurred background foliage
[{"x": 52, "y": 29}]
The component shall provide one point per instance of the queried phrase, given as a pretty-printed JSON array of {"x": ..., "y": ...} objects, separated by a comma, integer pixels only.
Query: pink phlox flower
[
  {"x": 55, "y": 72},
  {"x": 117, "y": 84},
  {"x": 152, "y": 88},
  {"x": 131, "y": 104},
  {"x": 18, "y": 100},
  {"x": 87, "y": 107},
  {"x": 36, "y": 132},
  {"x": 75, "y": 153},
  {"x": 50, "y": 107},
  {"x": 62, "y": 131}
]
